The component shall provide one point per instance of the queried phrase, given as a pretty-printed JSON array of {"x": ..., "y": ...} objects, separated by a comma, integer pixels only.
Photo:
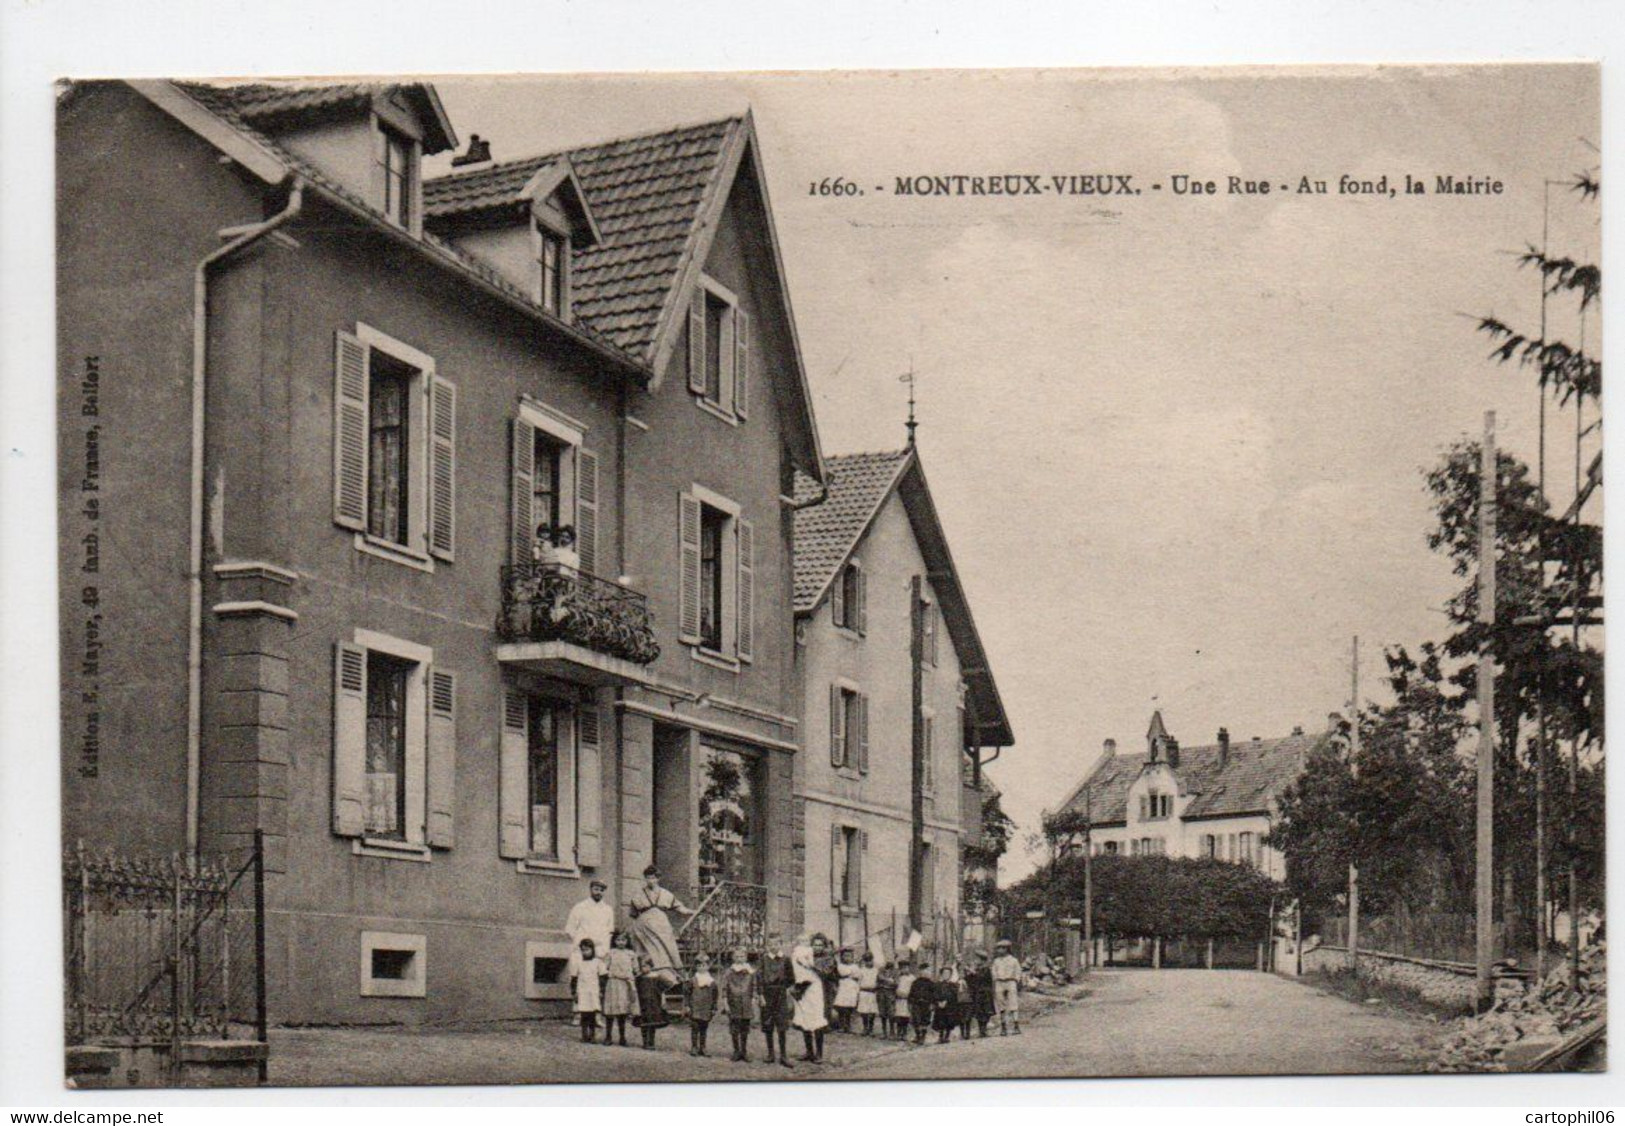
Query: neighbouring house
[
  {"x": 444, "y": 527},
  {"x": 900, "y": 702},
  {"x": 1214, "y": 801}
]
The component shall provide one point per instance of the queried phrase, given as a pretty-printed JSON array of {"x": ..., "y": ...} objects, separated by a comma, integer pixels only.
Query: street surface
[{"x": 1133, "y": 1022}]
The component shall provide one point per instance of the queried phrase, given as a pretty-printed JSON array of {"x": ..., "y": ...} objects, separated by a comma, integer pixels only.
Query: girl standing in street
[
  {"x": 846, "y": 990},
  {"x": 620, "y": 985},
  {"x": 809, "y": 994}
]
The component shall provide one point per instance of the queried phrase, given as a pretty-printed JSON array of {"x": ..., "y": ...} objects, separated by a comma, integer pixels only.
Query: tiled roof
[
  {"x": 826, "y": 533},
  {"x": 260, "y": 100},
  {"x": 223, "y": 102},
  {"x": 645, "y": 193},
  {"x": 1257, "y": 772}
]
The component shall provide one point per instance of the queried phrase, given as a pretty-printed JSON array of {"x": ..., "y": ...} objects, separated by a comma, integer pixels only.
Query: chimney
[
  {"x": 479, "y": 151},
  {"x": 1110, "y": 747},
  {"x": 1224, "y": 747},
  {"x": 1172, "y": 749},
  {"x": 1297, "y": 729}
]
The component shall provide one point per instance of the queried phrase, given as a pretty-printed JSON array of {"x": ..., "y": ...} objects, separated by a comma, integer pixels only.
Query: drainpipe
[{"x": 244, "y": 236}]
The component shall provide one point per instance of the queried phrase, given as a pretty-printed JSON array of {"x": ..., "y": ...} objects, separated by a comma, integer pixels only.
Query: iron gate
[{"x": 164, "y": 949}]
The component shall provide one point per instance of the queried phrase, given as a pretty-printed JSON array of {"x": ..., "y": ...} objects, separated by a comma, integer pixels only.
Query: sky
[{"x": 1177, "y": 442}]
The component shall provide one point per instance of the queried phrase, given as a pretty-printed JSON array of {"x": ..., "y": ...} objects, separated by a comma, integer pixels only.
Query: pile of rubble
[
  {"x": 1525, "y": 1021},
  {"x": 1040, "y": 972}
]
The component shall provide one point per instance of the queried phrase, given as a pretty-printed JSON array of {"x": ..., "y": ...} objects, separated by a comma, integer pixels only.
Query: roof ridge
[
  {"x": 555, "y": 154},
  {"x": 903, "y": 452}
]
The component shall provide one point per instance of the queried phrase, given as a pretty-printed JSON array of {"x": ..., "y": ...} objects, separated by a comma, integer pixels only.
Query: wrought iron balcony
[{"x": 566, "y": 622}]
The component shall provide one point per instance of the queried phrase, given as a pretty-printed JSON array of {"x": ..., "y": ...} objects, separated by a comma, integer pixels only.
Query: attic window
[
  {"x": 552, "y": 254},
  {"x": 397, "y": 175}
]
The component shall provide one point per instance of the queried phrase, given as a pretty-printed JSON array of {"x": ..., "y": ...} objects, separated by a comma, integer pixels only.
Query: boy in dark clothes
[
  {"x": 922, "y": 1000},
  {"x": 651, "y": 1003},
  {"x": 739, "y": 992},
  {"x": 980, "y": 981},
  {"x": 945, "y": 1012},
  {"x": 773, "y": 984},
  {"x": 701, "y": 1003},
  {"x": 886, "y": 998}
]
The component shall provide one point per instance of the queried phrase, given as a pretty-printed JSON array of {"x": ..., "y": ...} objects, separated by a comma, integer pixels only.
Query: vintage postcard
[{"x": 850, "y": 575}]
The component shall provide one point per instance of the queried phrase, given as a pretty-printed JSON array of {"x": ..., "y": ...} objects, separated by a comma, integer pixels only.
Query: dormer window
[
  {"x": 397, "y": 175},
  {"x": 552, "y": 251}
]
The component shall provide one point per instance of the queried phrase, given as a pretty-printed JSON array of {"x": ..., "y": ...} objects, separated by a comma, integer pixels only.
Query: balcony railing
[{"x": 555, "y": 602}]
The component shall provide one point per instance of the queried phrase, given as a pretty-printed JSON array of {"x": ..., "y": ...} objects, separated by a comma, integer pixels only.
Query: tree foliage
[{"x": 1151, "y": 896}]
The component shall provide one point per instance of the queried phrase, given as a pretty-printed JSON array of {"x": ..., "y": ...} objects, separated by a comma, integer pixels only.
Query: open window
[
  {"x": 550, "y": 782},
  {"x": 394, "y": 747},
  {"x": 719, "y": 351},
  {"x": 394, "y": 449},
  {"x": 849, "y": 598},
  {"x": 718, "y": 548},
  {"x": 554, "y": 490}
]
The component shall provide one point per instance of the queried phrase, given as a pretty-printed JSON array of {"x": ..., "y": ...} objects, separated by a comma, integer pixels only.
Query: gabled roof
[
  {"x": 827, "y": 534},
  {"x": 263, "y": 101},
  {"x": 645, "y": 194},
  {"x": 1255, "y": 775},
  {"x": 657, "y": 199}
]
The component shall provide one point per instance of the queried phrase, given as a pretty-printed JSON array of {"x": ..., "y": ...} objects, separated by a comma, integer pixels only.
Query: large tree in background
[{"x": 1406, "y": 815}]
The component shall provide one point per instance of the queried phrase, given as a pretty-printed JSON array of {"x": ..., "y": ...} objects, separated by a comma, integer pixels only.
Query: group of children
[
  {"x": 625, "y": 984},
  {"x": 904, "y": 998}
]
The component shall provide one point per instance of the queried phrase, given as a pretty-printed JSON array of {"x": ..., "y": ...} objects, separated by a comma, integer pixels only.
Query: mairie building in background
[{"x": 1216, "y": 801}]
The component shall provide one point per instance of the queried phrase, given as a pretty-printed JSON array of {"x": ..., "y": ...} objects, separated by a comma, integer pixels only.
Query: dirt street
[{"x": 1133, "y": 1022}]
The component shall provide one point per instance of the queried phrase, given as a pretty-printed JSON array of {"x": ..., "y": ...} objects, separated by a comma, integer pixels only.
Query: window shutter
[
  {"x": 443, "y": 469},
  {"x": 741, "y": 363},
  {"x": 523, "y": 519},
  {"x": 837, "y": 865},
  {"x": 688, "y": 530},
  {"x": 860, "y": 618},
  {"x": 350, "y": 432},
  {"x": 589, "y": 787},
  {"x": 442, "y": 758},
  {"x": 696, "y": 341},
  {"x": 930, "y": 753},
  {"x": 837, "y": 598},
  {"x": 746, "y": 633},
  {"x": 837, "y": 722},
  {"x": 587, "y": 510},
  {"x": 513, "y": 799},
  {"x": 863, "y": 734},
  {"x": 349, "y": 739},
  {"x": 863, "y": 861}
]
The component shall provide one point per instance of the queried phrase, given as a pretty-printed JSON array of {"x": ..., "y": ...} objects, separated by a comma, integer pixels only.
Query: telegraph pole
[
  {"x": 1485, "y": 882},
  {"x": 1354, "y": 772},
  {"x": 1088, "y": 877}
]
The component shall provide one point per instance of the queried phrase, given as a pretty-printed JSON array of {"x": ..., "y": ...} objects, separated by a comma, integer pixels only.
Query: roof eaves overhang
[
  {"x": 272, "y": 168},
  {"x": 846, "y": 555},
  {"x": 933, "y": 541}
]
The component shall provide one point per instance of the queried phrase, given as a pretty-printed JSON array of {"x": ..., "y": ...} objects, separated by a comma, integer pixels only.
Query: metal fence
[
  {"x": 730, "y": 917},
  {"x": 1431, "y": 935},
  {"x": 163, "y": 949}
]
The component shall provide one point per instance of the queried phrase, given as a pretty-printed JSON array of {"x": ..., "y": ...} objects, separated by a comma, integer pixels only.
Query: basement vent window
[
  {"x": 393, "y": 965},
  {"x": 547, "y": 967}
]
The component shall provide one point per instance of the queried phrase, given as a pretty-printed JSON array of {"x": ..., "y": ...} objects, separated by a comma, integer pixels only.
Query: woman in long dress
[
  {"x": 809, "y": 995},
  {"x": 651, "y": 927}
]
